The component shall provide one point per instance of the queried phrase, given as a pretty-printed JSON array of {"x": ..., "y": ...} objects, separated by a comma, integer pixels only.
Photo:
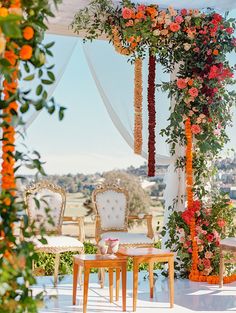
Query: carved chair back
[
  {"x": 110, "y": 205},
  {"x": 45, "y": 203}
]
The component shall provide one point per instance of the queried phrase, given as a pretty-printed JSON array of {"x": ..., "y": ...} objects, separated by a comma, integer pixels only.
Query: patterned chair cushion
[
  {"x": 229, "y": 243},
  {"x": 58, "y": 244},
  {"x": 126, "y": 238},
  {"x": 111, "y": 206},
  {"x": 47, "y": 199}
]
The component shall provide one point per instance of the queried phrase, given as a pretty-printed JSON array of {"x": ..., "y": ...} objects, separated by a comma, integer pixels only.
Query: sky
[{"x": 87, "y": 141}]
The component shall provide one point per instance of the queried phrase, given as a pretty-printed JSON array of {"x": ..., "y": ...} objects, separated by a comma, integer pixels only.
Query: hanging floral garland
[
  {"x": 138, "y": 99},
  {"x": 151, "y": 115},
  {"x": 138, "y": 88}
]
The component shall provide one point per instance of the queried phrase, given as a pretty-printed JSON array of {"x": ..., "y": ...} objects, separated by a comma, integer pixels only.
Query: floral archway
[{"x": 197, "y": 43}]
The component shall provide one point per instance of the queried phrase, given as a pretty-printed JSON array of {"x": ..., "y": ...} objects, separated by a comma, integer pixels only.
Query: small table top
[
  {"x": 147, "y": 252},
  {"x": 98, "y": 258}
]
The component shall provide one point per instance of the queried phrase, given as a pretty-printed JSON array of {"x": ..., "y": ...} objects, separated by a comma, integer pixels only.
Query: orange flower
[
  {"x": 28, "y": 33},
  {"x": 16, "y": 4},
  {"x": 26, "y": 52},
  {"x": 215, "y": 52},
  {"x": 152, "y": 11},
  {"x": 133, "y": 44},
  {"x": 3, "y": 12},
  {"x": 11, "y": 57},
  {"x": 190, "y": 82},
  {"x": 139, "y": 15}
]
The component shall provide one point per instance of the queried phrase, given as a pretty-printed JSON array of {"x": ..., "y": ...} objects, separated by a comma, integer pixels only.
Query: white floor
[{"x": 189, "y": 297}]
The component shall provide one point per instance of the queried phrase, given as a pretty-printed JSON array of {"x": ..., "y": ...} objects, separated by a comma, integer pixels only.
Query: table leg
[
  {"x": 75, "y": 281},
  {"x": 124, "y": 277},
  {"x": 221, "y": 267},
  {"x": 86, "y": 283},
  {"x": 171, "y": 280},
  {"x": 117, "y": 283},
  {"x": 111, "y": 284},
  {"x": 151, "y": 278},
  {"x": 135, "y": 283}
]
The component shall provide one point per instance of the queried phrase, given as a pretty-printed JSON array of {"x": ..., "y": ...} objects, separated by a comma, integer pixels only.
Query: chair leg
[
  {"x": 101, "y": 276},
  {"x": 57, "y": 262}
]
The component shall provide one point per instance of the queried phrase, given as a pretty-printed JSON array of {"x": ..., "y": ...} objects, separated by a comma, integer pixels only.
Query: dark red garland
[{"x": 151, "y": 115}]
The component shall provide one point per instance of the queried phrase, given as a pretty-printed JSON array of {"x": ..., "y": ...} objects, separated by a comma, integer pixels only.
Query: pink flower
[
  {"x": 229, "y": 30},
  {"x": 210, "y": 237},
  {"x": 221, "y": 223},
  {"x": 141, "y": 7},
  {"x": 193, "y": 92},
  {"x": 196, "y": 129},
  {"x": 182, "y": 239},
  {"x": 207, "y": 263},
  {"x": 208, "y": 255},
  {"x": 216, "y": 132},
  {"x": 130, "y": 23},
  {"x": 181, "y": 83},
  {"x": 190, "y": 250},
  {"x": 174, "y": 27},
  {"x": 179, "y": 19},
  {"x": 127, "y": 13},
  {"x": 234, "y": 42},
  {"x": 184, "y": 12}
]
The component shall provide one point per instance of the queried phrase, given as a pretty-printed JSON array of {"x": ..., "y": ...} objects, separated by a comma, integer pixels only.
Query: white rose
[
  {"x": 156, "y": 32},
  {"x": 187, "y": 46}
]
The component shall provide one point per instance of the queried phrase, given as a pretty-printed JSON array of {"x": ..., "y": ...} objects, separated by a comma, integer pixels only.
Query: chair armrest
[
  {"x": 80, "y": 222},
  {"x": 148, "y": 218}
]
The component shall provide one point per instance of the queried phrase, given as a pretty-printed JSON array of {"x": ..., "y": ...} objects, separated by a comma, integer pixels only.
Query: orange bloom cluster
[
  {"x": 8, "y": 148},
  {"x": 138, "y": 99},
  {"x": 28, "y": 32}
]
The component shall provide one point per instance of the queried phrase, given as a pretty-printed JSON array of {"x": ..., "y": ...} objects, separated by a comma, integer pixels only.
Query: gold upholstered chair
[
  {"x": 110, "y": 204},
  {"x": 45, "y": 203},
  {"x": 112, "y": 216}
]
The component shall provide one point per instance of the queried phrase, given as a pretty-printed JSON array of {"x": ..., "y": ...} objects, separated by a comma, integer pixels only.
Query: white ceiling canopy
[{"x": 60, "y": 25}]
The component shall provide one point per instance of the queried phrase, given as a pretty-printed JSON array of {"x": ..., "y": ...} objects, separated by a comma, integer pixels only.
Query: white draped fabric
[{"x": 62, "y": 52}]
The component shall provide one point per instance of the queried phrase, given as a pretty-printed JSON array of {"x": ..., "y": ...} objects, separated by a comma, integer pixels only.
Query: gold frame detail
[{"x": 35, "y": 187}]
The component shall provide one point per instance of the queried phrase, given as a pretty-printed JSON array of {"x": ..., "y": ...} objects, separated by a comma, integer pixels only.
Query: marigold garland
[
  {"x": 190, "y": 203},
  {"x": 151, "y": 115},
  {"x": 138, "y": 99},
  {"x": 118, "y": 45}
]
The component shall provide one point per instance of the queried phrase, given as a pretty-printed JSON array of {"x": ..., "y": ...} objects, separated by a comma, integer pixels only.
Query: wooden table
[
  {"x": 150, "y": 256},
  {"x": 88, "y": 261}
]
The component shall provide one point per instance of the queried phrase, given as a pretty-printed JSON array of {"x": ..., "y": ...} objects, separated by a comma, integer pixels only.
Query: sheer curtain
[
  {"x": 62, "y": 52},
  {"x": 114, "y": 76}
]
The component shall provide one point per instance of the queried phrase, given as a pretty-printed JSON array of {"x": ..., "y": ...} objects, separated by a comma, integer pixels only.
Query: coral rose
[
  {"x": 127, "y": 13},
  {"x": 207, "y": 263},
  {"x": 221, "y": 223},
  {"x": 174, "y": 27},
  {"x": 215, "y": 52},
  {"x": 193, "y": 92},
  {"x": 26, "y": 52},
  {"x": 181, "y": 83},
  {"x": 208, "y": 254},
  {"x": 196, "y": 129},
  {"x": 28, "y": 32}
]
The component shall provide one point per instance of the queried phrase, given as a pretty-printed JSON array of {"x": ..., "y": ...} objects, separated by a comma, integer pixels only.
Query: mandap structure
[{"x": 193, "y": 43}]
